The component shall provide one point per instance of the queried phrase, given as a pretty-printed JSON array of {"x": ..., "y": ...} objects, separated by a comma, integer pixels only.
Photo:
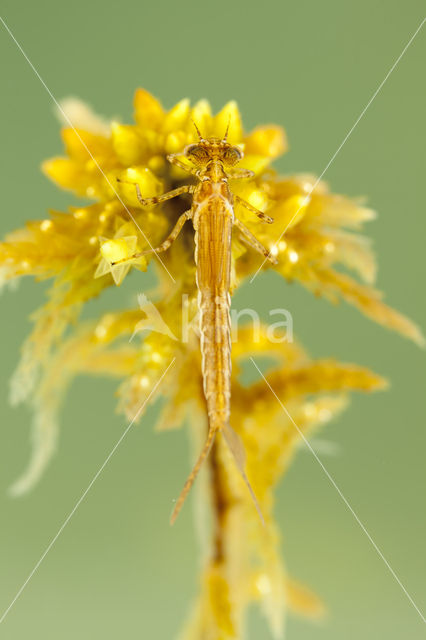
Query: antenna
[
  {"x": 200, "y": 137},
  {"x": 227, "y": 128}
]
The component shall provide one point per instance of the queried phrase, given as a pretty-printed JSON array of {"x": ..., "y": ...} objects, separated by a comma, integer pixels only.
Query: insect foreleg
[
  {"x": 167, "y": 242},
  {"x": 250, "y": 207},
  {"x": 157, "y": 199},
  {"x": 174, "y": 158},
  {"x": 240, "y": 174},
  {"x": 254, "y": 242}
]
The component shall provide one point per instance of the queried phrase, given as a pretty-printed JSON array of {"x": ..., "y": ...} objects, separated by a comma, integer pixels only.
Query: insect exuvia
[{"x": 213, "y": 163}]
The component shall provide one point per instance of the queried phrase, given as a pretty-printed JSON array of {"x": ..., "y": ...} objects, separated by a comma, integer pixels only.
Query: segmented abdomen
[
  {"x": 213, "y": 235},
  {"x": 216, "y": 356}
]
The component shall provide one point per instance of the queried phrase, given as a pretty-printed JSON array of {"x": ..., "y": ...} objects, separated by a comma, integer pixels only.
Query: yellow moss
[{"x": 314, "y": 235}]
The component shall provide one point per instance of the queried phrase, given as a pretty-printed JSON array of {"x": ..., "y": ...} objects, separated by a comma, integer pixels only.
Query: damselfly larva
[{"x": 213, "y": 163}]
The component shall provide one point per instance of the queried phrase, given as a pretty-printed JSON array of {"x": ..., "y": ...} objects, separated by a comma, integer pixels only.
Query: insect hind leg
[
  {"x": 165, "y": 244},
  {"x": 254, "y": 242},
  {"x": 250, "y": 207}
]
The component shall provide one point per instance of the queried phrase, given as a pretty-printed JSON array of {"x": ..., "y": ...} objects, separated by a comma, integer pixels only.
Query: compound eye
[
  {"x": 232, "y": 155},
  {"x": 196, "y": 153}
]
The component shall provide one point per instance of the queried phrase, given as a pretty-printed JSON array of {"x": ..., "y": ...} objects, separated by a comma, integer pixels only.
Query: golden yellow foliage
[{"x": 76, "y": 250}]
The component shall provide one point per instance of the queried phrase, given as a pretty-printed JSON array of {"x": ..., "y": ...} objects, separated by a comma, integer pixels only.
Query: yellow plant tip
[
  {"x": 46, "y": 225},
  {"x": 175, "y": 141},
  {"x": 45, "y": 431},
  {"x": 127, "y": 144},
  {"x": 115, "y": 250},
  {"x": 83, "y": 146},
  {"x": 149, "y": 113},
  {"x": 291, "y": 212},
  {"x": 76, "y": 113},
  {"x": 229, "y": 115},
  {"x": 303, "y": 601},
  {"x": 177, "y": 118},
  {"x": 258, "y": 199},
  {"x": 65, "y": 173},
  {"x": 202, "y": 116},
  {"x": 268, "y": 141},
  {"x": 119, "y": 272},
  {"x": 256, "y": 163},
  {"x": 263, "y": 584},
  {"x": 157, "y": 164}
]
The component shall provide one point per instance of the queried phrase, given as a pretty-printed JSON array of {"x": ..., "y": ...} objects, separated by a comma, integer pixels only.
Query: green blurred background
[{"x": 118, "y": 569}]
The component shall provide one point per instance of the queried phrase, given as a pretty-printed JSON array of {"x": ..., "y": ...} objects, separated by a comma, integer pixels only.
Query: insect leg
[
  {"x": 167, "y": 242},
  {"x": 250, "y": 207},
  {"x": 174, "y": 159},
  {"x": 157, "y": 199},
  {"x": 236, "y": 447},
  {"x": 254, "y": 242},
  {"x": 240, "y": 174},
  {"x": 192, "y": 476}
]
